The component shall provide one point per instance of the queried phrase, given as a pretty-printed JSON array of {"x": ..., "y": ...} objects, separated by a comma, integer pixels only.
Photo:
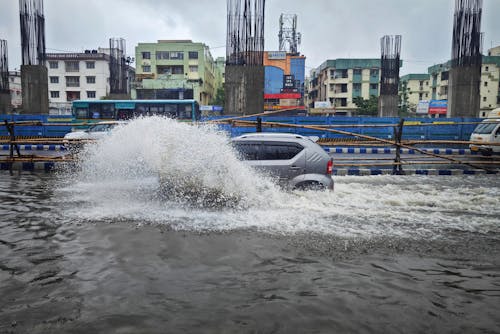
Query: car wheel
[{"x": 310, "y": 185}]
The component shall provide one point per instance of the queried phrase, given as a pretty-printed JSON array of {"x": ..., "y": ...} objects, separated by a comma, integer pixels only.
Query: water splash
[{"x": 119, "y": 179}]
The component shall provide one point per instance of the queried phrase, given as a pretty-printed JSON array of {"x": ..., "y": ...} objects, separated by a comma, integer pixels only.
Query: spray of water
[{"x": 125, "y": 176}]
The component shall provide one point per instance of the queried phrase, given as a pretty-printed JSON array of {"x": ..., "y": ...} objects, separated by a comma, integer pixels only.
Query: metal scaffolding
[
  {"x": 4, "y": 67},
  {"x": 245, "y": 32},
  {"x": 32, "y": 32},
  {"x": 467, "y": 43},
  {"x": 117, "y": 66},
  {"x": 288, "y": 34},
  {"x": 389, "y": 63}
]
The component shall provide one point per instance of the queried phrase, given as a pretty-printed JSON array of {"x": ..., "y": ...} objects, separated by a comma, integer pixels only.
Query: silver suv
[{"x": 297, "y": 161}]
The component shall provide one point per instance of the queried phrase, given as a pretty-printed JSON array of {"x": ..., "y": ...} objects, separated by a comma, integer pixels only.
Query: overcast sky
[{"x": 330, "y": 28}]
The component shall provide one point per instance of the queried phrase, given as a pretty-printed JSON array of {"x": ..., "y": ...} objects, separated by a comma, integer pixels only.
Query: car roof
[{"x": 271, "y": 136}]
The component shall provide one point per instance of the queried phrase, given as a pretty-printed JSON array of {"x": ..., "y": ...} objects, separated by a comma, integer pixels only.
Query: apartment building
[
  {"x": 335, "y": 83},
  {"x": 176, "y": 69},
  {"x": 412, "y": 89},
  {"x": 16, "y": 94},
  {"x": 489, "y": 85},
  {"x": 75, "y": 76}
]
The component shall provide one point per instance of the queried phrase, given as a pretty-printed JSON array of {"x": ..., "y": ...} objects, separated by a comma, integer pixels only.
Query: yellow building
[
  {"x": 489, "y": 86},
  {"x": 412, "y": 89},
  {"x": 338, "y": 82}
]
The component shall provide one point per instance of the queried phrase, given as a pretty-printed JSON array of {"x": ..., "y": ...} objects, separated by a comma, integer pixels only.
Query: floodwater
[{"x": 99, "y": 248}]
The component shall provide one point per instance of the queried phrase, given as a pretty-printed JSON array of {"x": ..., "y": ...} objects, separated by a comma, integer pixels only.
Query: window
[
  {"x": 90, "y": 64},
  {"x": 420, "y": 96},
  {"x": 54, "y": 94},
  {"x": 356, "y": 86},
  {"x": 91, "y": 94},
  {"x": 70, "y": 96},
  {"x": 54, "y": 80},
  {"x": 146, "y": 55},
  {"x": 72, "y": 66},
  {"x": 445, "y": 76},
  {"x": 193, "y": 54},
  {"x": 484, "y": 99},
  {"x": 486, "y": 84},
  {"x": 91, "y": 80},
  {"x": 356, "y": 71},
  {"x": 193, "y": 68},
  {"x": 53, "y": 64},
  {"x": 268, "y": 151},
  {"x": 176, "y": 55},
  {"x": 374, "y": 73},
  {"x": 162, "y": 55},
  {"x": 146, "y": 68},
  {"x": 373, "y": 86},
  {"x": 72, "y": 81},
  {"x": 486, "y": 68}
]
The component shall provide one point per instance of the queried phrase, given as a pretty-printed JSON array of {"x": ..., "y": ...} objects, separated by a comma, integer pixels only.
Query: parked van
[{"x": 488, "y": 132}]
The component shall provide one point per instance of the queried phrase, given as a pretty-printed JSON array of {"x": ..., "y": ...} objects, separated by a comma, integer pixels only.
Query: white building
[
  {"x": 16, "y": 95},
  {"x": 75, "y": 76}
]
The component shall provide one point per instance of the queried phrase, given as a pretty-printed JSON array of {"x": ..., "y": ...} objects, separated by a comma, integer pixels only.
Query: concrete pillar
[
  {"x": 244, "y": 90},
  {"x": 388, "y": 106},
  {"x": 464, "y": 96},
  {"x": 34, "y": 82},
  {"x": 5, "y": 103}
]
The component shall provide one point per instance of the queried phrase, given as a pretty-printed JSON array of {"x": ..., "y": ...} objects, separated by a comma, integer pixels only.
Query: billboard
[
  {"x": 423, "y": 107},
  {"x": 438, "y": 107},
  {"x": 322, "y": 104},
  {"x": 276, "y": 55}
]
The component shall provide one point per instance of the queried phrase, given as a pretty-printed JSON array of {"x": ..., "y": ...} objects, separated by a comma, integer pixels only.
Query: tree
[
  {"x": 220, "y": 97},
  {"x": 367, "y": 107}
]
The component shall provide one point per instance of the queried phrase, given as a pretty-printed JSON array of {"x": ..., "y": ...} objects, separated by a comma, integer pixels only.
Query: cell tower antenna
[{"x": 288, "y": 35}]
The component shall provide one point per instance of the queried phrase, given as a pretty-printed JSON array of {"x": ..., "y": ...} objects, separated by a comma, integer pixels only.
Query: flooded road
[
  {"x": 98, "y": 248},
  {"x": 384, "y": 265}
]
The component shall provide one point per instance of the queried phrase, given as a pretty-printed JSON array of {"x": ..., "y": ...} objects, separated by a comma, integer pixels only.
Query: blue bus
[{"x": 100, "y": 110}]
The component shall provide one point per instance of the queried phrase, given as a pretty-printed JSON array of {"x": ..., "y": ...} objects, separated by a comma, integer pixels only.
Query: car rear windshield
[
  {"x": 485, "y": 128},
  {"x": 268, "y": 150}
]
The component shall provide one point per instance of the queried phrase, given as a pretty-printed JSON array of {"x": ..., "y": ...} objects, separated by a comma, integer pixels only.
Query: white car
[{"x": 94, "y": 132}]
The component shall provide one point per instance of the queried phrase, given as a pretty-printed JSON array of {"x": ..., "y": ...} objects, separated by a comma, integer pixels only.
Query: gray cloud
[{"x": 330, "y": 28}]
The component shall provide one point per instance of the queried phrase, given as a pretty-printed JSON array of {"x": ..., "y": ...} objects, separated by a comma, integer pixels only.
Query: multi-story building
[
  {"x": 284, "y": 79},
  {"x": 16, "y": 94},
  {"x": 412, "y": 89},
  {"x": 175, "y": 69},
  {"x": 336, "y": 83},
  {"x": 75, "y": 76},
  {"x": 489, "y": 85}
]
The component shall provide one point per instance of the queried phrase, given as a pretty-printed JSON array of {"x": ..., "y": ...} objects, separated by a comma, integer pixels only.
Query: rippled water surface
[{"x": 99, "y": 248}]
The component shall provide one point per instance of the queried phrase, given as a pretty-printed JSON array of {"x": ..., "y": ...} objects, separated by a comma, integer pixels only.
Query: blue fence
[
  {"x": 439, "y": 131},
  {"x": 37, "y": 131},
  {"x": 442, "y": 130}
]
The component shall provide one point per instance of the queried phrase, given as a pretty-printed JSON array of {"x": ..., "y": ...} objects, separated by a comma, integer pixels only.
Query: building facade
[
  {"x": 336, "y": 83},
  {"x": 176, "y": 69},
  {"x": 16, "y": 94},
  {"x": 489, "y": 85},
  {"x": 414, "y": 88},
  {"x": 76, "y": 76},
  {"x": 284, "y": 80}
]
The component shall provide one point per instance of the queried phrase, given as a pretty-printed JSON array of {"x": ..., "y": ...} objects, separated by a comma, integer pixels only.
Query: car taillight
[{"x": 329, "y": 167}]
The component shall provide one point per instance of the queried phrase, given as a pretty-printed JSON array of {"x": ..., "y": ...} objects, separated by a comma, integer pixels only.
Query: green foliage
[
  {"x": 367, "y": 107},
  {"x": 219, "y": 98}
]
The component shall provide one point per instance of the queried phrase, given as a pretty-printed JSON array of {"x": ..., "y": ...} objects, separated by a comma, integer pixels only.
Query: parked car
[
  {"x": 488, "y": 134},
  {"x": 96, "y": 131},
  {"x": 296, "y": 161}
]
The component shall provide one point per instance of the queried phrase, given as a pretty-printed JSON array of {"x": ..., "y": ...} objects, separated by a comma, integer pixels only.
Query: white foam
[{"x": 119, "y": 181}]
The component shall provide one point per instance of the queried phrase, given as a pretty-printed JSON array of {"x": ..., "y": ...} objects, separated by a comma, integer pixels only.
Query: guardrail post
[
  {"x": 10, "y": 129},
  {"x": 259, "y": 124},
  {"x": 397, "y": 169}
]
